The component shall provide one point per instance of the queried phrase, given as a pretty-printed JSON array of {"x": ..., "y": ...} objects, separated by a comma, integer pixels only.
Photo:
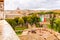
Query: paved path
[
  {"x": 6, "y": 31},
  {"x": 40, "y": 34}
]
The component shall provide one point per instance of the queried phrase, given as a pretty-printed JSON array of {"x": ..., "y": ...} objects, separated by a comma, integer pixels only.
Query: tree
[
  {"x": 25, "y": 21},
  {"x": 51, "y": 18},
  {"x": 12, "y": 23},
  {"x": 35, "y": 19},
  {"x": 42, "y": 13},
  {"x": 16, "y": 20},
  {"x": 29, "y": 19},
  {"x": 20, "y": 21},
  {"x": 57, "y": 24}
]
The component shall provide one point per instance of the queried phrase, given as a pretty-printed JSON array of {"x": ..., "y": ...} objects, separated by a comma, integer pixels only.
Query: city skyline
[{"x": 31, "y": 4}]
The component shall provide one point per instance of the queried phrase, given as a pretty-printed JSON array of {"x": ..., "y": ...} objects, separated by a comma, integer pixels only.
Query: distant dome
[
  {"x": 18, "y": 9},
  {"x": 40, "y": 34}
]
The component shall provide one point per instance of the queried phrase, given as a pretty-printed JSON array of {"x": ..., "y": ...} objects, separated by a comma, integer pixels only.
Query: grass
[
  {"x": 19, "y": 28},
  {"x": 19, "y": 33}
]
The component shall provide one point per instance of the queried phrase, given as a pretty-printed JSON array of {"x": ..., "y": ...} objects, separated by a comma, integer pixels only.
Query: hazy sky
[{"x": 31, "y": 4}]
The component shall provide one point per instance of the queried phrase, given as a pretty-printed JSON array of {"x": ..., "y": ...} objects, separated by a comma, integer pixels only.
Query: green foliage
[
  {"x": 25, "y": 19},
  {"x": 11, "y": 22},
  {"x": 19, "y": 32},
  {"x": 20, "y": 21},
  {"x": 20, "y": 28},
  {"x": 57, "y": 24},
  {"x": 37, "y": 25},
  {"x": 35, "y": 18},
  {"x": 29, "y": 19},
  {"x": 16, "y": 19},
  {"x": 49, "y": 12},
  {"x": 42, "y": 13}
]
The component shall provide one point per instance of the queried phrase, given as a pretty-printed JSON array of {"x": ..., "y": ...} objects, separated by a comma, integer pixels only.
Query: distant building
[
  {"x": 12, "y": 13},
  {"x": 21, "y": 13}
]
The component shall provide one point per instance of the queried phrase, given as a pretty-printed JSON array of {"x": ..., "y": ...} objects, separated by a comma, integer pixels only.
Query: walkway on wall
[{"x": 6, "y": 31}]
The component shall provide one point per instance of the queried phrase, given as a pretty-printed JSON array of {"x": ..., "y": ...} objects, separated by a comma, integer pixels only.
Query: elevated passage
[{"x": 6, "y": 31}]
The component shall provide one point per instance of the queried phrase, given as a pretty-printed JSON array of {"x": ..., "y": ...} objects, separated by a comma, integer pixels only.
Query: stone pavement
[
  {"x": 39, "y": 34},
  {"x": 6, "y": 31}
]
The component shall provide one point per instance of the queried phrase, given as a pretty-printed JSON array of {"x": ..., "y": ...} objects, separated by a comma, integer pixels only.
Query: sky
[{"x": 31, "y": 4}]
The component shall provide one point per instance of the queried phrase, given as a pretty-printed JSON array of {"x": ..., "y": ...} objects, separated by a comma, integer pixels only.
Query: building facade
[{"x": 1, "y": 9}]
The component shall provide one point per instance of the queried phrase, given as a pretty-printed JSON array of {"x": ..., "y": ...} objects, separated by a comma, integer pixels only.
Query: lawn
[{"x": 19, "y": 30}]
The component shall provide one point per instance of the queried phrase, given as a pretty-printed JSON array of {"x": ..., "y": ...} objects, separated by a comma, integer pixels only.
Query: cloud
[{"x": 31, "y": 4}]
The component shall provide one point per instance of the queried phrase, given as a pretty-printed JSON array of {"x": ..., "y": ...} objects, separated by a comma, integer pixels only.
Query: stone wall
[
  {"x": 6, "y": 31},
  {"x": 1, "y": 9},
  {"x": 1, "y": 6}
]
